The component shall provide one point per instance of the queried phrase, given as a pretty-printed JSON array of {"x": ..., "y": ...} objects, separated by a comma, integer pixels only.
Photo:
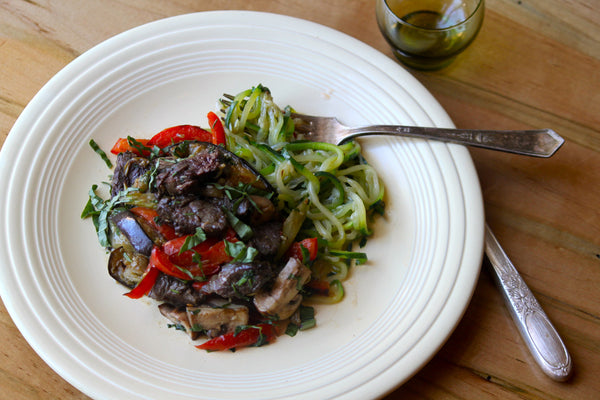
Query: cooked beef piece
[
  {"x": 186, "y": 213},
  {"x": 175, "y": 291},
  {"x": 186, "y": 176},
  {"x": 233, "y": 170},
  {"x": 267, "y": 238},
  {"x": 238, "y": 280},
  {"x": 128, "y": 169}
]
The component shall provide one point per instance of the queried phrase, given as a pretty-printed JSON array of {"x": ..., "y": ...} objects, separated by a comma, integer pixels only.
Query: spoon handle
[{"x": 536, "y": 329}]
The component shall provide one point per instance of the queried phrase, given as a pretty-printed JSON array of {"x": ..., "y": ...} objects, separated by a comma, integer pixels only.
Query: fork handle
[
  {"x": 534, "y": 325},
  {"x": 539, "y": 142}
]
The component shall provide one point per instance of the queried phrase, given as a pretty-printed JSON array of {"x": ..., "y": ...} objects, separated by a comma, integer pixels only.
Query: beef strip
[
  {"x": 175, "y": 291},
  {"x": 186, "y": 213},
  {"x": 238, "y": 280},
  {"x": 267, "y": 238},
  {"x": 188, "y": 175}
]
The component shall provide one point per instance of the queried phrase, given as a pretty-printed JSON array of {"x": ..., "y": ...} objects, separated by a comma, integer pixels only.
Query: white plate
[{"x": 399, "y": 308}]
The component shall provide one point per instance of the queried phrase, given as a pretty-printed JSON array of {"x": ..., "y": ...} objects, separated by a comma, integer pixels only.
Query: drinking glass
[{"x": 428, "y": 34}]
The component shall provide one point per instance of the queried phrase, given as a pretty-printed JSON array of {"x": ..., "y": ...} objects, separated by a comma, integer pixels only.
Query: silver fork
[
  {"x": 538, "y": 142},
  {"x": 535, "y": 142}
]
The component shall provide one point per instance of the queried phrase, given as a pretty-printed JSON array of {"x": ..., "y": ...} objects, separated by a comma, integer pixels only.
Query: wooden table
[{"x": 536, "y": 63}]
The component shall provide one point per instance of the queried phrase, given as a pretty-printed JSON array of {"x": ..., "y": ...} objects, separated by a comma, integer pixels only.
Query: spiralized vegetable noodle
[{"x": 327, "y": 191}]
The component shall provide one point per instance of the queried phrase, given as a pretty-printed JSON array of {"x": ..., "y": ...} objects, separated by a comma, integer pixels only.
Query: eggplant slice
[
  {"x": 133, "y": 231},
  {"x": 127, "y": 268}
]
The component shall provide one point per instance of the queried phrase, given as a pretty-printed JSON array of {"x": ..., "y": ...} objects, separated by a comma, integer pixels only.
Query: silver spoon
[{"x": 536, "y": 329}]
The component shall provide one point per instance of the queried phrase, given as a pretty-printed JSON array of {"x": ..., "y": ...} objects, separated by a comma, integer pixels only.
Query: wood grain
[{"x": 535, "y": 63}]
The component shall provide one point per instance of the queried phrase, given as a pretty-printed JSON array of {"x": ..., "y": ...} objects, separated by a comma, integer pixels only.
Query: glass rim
[{"x": 403, "y": 22}]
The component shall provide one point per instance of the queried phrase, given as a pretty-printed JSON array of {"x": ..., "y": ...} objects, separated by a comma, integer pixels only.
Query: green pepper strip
[{"x": 339, "y": 199}]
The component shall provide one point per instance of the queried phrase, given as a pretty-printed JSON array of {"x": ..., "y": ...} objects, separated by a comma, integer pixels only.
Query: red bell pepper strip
[
  {"x": 161, "y": 261},
  {"x": 217, "y": 254},
  {"x": 216, "y": 129},
  {"x": 244, "y": 338},
  {"x": 147, "y": 282},
  {"x": 173, "y": 248},
  {"x": 205, "y": 249},
  {"x": 149, "y": 215},
  {"x": 311, "y": 245},
  {"x": 177, "y": 134},
  {"x": 186, "y": 259},
  {"x": 122, "y": 145}
]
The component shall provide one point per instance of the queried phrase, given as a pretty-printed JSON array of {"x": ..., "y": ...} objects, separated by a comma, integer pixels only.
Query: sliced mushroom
[
  {"x": 215, "y": 321},
  {"x": 284, "y": 298},
  {"x": 178, "y": 316}
]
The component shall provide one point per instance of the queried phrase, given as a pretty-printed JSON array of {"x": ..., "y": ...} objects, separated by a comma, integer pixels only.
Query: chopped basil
[
  {"x": 306, "y": 316},
  {"x": 247, "y": 278},
  {"x": 193, "y": 240},
  {"x": 153, "y": 151},
  {"x": 243, "y": 191},
  {"x": 101, "y": 153},
  {"x": 305, "y": 254},
  {"x": 240, "y": 252},
  {"x": 178, "y": 327},
  {"x": 99, "y": 210},
  {"x": 262, "y": 338},
  {"x": 243, "y": 230},
  {"x": 292, "y": 330},
  {"x": 198, "y": 328}
]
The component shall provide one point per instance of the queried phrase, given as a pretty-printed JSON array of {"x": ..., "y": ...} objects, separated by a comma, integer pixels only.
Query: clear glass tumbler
[{"x": 428, "y": 34}]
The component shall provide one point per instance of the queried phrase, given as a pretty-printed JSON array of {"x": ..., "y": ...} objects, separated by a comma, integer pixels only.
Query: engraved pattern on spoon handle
[{"x": 538, "y": 332}]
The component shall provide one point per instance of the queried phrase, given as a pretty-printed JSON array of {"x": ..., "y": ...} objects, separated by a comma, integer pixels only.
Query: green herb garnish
[
  {"x": 240, "y": 252},
  {"x": 193, "y": 240},
  {"x": 101, "y": 153}
]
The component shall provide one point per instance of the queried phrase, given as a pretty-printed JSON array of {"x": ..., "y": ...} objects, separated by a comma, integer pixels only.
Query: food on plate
[{"x": 237, "y": 230}]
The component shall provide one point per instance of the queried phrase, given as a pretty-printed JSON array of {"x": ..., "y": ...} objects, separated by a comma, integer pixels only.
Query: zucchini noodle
[{"x": 342, "y": 191}]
